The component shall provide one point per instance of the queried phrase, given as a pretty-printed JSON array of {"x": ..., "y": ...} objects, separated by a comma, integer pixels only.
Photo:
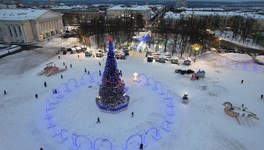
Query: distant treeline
[{"x": 195, "y": 4}]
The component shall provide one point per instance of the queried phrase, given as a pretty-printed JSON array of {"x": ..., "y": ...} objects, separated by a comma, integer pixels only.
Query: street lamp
[
  {"x": 135, "y": 77},
  {"x": 196, "y": 48}
]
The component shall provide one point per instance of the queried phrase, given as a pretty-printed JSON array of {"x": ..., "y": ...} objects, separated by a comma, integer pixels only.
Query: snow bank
[
  {"x": 260, "y": 58},
  {"x": 58, "y": 42},
  {"x": 237, "y": 56}
]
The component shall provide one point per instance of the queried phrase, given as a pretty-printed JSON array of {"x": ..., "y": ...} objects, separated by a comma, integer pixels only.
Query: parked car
[
  {"x": 148, "y": 53},
  {"x": 73, "y": 50},
  {"x": 177, "y": 70},
  {"x": 187, "y": 61},
  {"x": 99, "y": 53},
  {"x": 150, "y": 58},
  {"x": 121, "y": 56},
  {"x": 182, "y": 72},
  {"x": 69, "y": 49},
  {"x": 162, "y": 58},
  {"x": 189, "y": 71},
  {"x": 84, "y": 48},
  {"x": 88, "y": 53},
  {"x": 63, "y": 48},
  {"x": 175, "y": 60},
  {"x": 78, "y": 49},
  {"x": 167, "y": 55},
  {"x": 126, "y": 51},
  {"x": 64, "y": 52}
]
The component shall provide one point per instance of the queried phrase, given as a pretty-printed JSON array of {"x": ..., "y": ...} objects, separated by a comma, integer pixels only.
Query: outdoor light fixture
[
  {"x": 135, "y": 77},
  {"x": 197, "y": 48}
]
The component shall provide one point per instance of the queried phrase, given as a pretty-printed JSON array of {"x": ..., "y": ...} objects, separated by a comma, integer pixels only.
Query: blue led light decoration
[
  {"x": 112, "y": 97},
  {"x": 145, "y": 38}
]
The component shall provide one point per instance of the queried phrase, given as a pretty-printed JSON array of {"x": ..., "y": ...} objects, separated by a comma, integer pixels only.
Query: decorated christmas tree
[{"x": 112, "y": 97}]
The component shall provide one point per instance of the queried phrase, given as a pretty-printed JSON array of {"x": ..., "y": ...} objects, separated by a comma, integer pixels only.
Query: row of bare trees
[
  {"x": 183, "y": 33},
  {"x": 122, "y": 29}
]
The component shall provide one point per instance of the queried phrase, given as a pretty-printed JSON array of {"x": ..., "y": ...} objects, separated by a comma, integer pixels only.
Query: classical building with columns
[{"x": 28, "y": 25}]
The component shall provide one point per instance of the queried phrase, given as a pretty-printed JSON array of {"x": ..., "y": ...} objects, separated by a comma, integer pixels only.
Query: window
[
  {"x": 20, "y": 32},
  {"x": 15, "y": 31},
  {"x": 10, "y": 31}
]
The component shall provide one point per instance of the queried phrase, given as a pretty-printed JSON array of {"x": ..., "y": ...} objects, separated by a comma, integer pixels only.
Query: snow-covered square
[{"x": 160, "y": 120}]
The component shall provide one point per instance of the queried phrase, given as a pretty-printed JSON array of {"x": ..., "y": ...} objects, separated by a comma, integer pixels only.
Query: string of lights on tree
[{"x": 111, "y": 92}]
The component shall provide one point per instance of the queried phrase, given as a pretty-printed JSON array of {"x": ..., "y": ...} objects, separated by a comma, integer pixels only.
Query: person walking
[
  {"x": 61, "y": 76},
  {"x": 132, "y": 114},
  {"x": 54, "y": 91},
  {"x": 242, "y": 81},
  {"x": 45, "y": 84},
  {"x": 85, "y": 70},
  {"x": 71, "y": 65},
  {"x": 141, "y": 147},
  {"x": 78, "y": 56},
  {"x": 120, "y": 73},
  {"x": 99, "y": 64},
  {"x": 5, "y": 92},
  {"x": 100, "y": 74},
  {"x": 88, "y": 72},
  {"x": 65, "y": 67},
  {"x": 261, "y": 97},
  {"x": 36, "y": 95},
  {"x": 59, "y": 57},
  {"x": 63, "y": 63},
  {"x": 98, "y": 120}
]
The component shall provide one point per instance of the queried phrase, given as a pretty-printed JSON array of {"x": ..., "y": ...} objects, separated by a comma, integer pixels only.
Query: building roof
[
  {"x": 172, "y": 15},
  {"x": 228, "y": 13},
  {"x": 21, "y": 14},
  {"x": 134, "y": 7},
  {"x": 61, "y": 7}
]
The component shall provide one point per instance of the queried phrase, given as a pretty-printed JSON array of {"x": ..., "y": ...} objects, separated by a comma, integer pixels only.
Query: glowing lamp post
[
  {"x": 135, "y": 77},
  {"x": 195, "y": 48}
]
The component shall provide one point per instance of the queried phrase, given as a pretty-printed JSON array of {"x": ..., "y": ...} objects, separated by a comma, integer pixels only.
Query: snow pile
[
  {"x": 227, "y": 36},
  {"x": 57, "y": 42},
  {"x": 237, "y": 56},
  {"x": 260, "y": 58}
]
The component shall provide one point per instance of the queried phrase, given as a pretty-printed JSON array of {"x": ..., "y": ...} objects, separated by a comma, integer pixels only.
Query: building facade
[
  {"x": 74, "y": 16},
  {"x": 223, "y": 18},
  {"x": 181, "y": 3},
  {"x": 28, "y": 25},
  {"x": 119, "y": 11}
]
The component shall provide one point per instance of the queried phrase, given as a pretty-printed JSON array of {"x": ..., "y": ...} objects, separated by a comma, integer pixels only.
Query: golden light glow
[
  {"x": 135, "y": 76},
  {"x": 196, "y": 47}
]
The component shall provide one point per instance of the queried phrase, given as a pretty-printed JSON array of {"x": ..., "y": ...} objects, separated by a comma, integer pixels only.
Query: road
[
  {"x": 240, "y": 47},
  {"x": 156, "y": 19}
]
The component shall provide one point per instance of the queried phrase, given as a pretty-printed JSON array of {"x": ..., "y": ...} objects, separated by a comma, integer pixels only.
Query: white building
[
  {"x": 172, "y": 18},
  {"x": 181, "y": 3},
  {"x": 120, "y": 11},
  {"x": 28, "y": 25}
]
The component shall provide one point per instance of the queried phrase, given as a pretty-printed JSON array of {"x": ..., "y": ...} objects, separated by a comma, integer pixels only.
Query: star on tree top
[{"x": 110, "y": 38}]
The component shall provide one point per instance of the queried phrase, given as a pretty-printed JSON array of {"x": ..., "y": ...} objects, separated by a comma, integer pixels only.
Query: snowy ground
[
  {"x": 10, "y": 49},
  {"x": 200, "y": 124},
  {"x": 227, "y": 36}
]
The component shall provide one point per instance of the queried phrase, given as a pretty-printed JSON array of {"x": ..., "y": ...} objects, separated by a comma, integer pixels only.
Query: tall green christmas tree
[{"x": 112, "y": 97}]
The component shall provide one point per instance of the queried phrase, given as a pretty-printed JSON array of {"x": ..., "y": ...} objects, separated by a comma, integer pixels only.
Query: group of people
[
  {"x": 66, "y": 66},
  {"x": 98, "y": 119}
]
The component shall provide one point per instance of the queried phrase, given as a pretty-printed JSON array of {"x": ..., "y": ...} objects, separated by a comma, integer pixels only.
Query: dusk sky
[{"x": 163, "y": 0}]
